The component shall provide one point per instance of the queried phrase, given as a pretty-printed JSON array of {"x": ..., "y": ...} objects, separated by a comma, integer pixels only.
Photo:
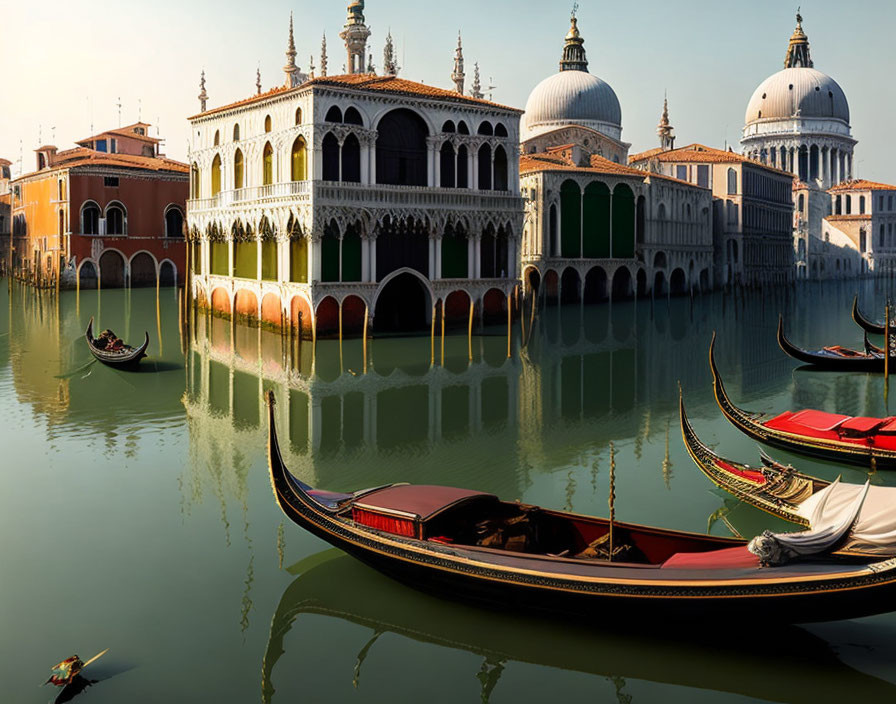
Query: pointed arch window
[
  {"x": 216, "y": 175},
  {"x": 298, "y": 116},
  {"x": 238, "y": 169},
  {"x": 217, "y": 137},
  {"x": 267, "y": 165},
  {"x": 298, "y": 161},
  {"x": 267, "y": 123},
  {"x": 236, "y": 132},
  {"x": 194, "y": 181}
]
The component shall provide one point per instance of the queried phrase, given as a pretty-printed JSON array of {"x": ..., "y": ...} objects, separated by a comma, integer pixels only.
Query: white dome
[
  {"x": 798, "y": 92},
  {"x": 574, "y": 97}
]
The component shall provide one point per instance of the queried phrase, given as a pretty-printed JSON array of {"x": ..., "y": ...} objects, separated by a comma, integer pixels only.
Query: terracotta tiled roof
[
  {"x": 5, "y": 162},
  {"x": 122, "y": 132},
  {"x": 391, "y": 85},
  {"x": 4, "y": 199},
  {"x": 45, "y": 147},
  {"x": 549, "y": 162},
  {"x": 862, "y": 185},
  {"x": 640, "y": 156},
  {"x": 81, "y": 156},
  {"x": 559, "y": 148},
  {"x": 701, "y": 154},
  {"x": 840, "y": 218}
]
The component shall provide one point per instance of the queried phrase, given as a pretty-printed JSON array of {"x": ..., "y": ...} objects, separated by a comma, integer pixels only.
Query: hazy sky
[{"x": 65, "y": 64}]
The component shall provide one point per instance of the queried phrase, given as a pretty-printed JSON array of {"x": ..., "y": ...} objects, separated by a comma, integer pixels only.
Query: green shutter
[
  {"x": 329, "y": 256},
  {"x": 454, "y": 257},
  {"x": 596, "y": 221},
  {"x": 570, "y": 220},
  {"x": 351, "y": 256}
]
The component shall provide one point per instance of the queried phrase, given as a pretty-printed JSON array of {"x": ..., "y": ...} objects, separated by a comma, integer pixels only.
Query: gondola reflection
[{"x": 332, "y": 592}]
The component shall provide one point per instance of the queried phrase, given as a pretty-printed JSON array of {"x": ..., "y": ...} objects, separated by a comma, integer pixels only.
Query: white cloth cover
[{"x": 832, "y": 513}]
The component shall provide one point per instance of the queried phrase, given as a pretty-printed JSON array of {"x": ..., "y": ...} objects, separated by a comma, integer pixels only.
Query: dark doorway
[{"x": 403, "y": 306}]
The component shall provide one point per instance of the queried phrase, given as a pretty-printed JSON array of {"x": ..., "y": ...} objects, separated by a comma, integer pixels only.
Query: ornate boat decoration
[
  {"x": 834, "y": 357},
  {"x": 469, "y": 545},
  {"x": 869, "y": 442},
  {"x": 126, "y": 358},
  {"x": 865, "y": 323}
]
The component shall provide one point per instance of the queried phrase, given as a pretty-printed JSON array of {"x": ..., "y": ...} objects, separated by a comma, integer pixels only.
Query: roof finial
[
  {"x": 355, "y": 34},
  {"x": 258, "y": 80},
  {"x": 458, "y": 74},
  {"x": 323, "y": 55},
  {"x": 798, "y": 55},
  {"x": 476, "y": 90},
  {"x": 203, "y": 96},
  {"x": 664, "y": 130},
  {"x": 290, "y": 69},
  {"x": 573, "y": 50},
  {"x": 311, "y": 66},
  {"x": 390, "y": 68}
]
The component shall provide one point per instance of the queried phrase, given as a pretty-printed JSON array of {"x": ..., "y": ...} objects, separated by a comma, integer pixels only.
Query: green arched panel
[
  {"x": 623, "y": 222},
  {"x": 570, "y": 220},
  {"x": 351, "y": 255},
  {"x": 596, "y": 221},
  {"x": 269, "y": 260},
  {"x": 298, "y": 260},
  {"x": 220, "y": 259},
  {"x": 454, "y": 256},
  {"x": 245, "y": 259},
  {"x": 329, "y": 258}
]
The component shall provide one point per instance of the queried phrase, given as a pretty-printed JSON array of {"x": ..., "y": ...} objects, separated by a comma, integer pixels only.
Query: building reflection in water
[{"x": 335, "y": 600}]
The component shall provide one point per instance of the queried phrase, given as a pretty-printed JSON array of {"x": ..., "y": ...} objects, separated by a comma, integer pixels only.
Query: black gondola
[
  {"x": 870, "y": 442},
  {"x": 126, "y": 358},
  {"x": 863, "y": 322},
  {"x": 834, "y": 358},
  {"x": 471, "y": 546}
]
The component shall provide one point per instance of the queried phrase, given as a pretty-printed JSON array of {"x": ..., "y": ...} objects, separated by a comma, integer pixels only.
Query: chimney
[{"x": 46, "y": 156}]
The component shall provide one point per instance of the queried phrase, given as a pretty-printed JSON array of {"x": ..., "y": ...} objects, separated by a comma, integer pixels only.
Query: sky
[{"x": 68, "y": 65}]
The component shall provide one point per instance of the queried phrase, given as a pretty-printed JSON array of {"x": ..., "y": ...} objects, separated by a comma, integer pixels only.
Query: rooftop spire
[
  {"x": 573, "y": 50},
  {"x": 458, "y": 74},
  {"x": 390, "y": 68},
  {"x": 291, "y": 70},
  {"x": 323, "y": 55},
  {"x": 355, "y": 34},
  {"x": 476, "y": 90},
  {"x": 664, "y": 130},
  {"x": 258, "y": 80},
  {"x": 798, "y": 50},
  {"x": 203, "y": 96}
]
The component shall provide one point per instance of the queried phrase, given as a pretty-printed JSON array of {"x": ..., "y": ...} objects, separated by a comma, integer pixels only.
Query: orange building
[{"x": 109, "y": 211}]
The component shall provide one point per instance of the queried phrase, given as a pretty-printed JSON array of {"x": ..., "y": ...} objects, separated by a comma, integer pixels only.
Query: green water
[{"x": 136, "y": 512}]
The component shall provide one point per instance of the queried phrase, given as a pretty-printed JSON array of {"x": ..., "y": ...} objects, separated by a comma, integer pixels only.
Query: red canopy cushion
[
  {"x": 860, "y": 425},
  {"x": 727, "y": 558},
  {"x": 417, "y": 501},
  {"x": 816, "y": 420}
]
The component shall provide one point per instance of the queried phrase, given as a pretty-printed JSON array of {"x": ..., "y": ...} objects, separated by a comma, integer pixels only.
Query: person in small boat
[{"x": 109, "y": 341}]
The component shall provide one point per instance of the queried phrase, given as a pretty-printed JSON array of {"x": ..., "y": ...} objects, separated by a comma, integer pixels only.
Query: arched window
[
  {"x": 570, "y": 220},
  {"x": 194, "y": 181},
  {"x": 485, "y": 168},
  {"x": 116, "y": 219},
  {"x": 334, "y": 114},
  {"x": 449, "y": 126},
  {"x": 661, "y": 212},
  {"x": 401, "y": 154},
  {"x": 267, "y": 123},
  {"x": 462, "y": 128},
  {"x": 216, "y": 175},
  {"x": 351, "y": 159},
  {"x": 217, "y": 137},
  {"x": 861, "y": 205},
  {"x": 298, "y": 162},
  {"x": 298, "y": 116},
  {"x": 236, "y": 132},
  {"x": 801, "y": 202},
  {"x": 732, "y": 182},
  {"x": 463, "y": 180},
  {"x": 267, "y": 164},
  {"x": 485, "y": 127},
  {"x": 596, "y": 220},
  {"x": 623, "y": 246},
  {"x": 238, "y": 169},
  {"x": 880, "y": 242},
  {"x": 447, "y": 165},
  {"x": 352, "y": 117},
  {"x": 331, "y": 158},
  {"x": 848, "y": 200},
  {"x": 501, "y": 183},
  {"x": 174, "y": 222},
  {"x": 500, "y": 130},
  {"x": 838, "y": 206},
  {"x": 90, "y": 218}
]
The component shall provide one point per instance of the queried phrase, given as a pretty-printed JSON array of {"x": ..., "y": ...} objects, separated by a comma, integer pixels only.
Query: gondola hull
[
  {"x": 853, "y": 451},
  {"x": 850, "y": 361},
  {"x": 128, "y": 359},
  {"x": 597, "y": 590},
  {"x": 863, "y": 322}
]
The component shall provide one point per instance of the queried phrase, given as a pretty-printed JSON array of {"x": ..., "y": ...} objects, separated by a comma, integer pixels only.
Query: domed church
[
  {"x": 574, "y": 105},
  {"x": 798, "y": 120}
]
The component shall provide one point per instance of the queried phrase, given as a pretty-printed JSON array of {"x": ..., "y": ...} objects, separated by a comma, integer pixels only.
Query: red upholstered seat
[
  {"x": 889, "y": 426},
  {"x": 817, "y": 420},
  {"x": 727, "y": 558},
  {"x": 748, "y": 474},
  {"x": 860, "y": 425}
]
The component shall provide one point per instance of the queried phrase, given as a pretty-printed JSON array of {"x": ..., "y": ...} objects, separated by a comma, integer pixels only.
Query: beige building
[{"x": 752, "y": 210}]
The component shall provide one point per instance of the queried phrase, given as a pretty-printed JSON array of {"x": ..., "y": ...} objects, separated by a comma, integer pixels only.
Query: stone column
[
  {"x": 365, "y": 259},
  {"x": 372, "y": 162},
  {"x": 431, "y": 267},
  {"x": 477, "y": 258},
  {"x": 314, "y": 260},
  {"x": 365, "y": 164},
  {"x": 438, "y": 269},
  {"x": 372, "y": 259},
  {"x": 471, "y": 257}
]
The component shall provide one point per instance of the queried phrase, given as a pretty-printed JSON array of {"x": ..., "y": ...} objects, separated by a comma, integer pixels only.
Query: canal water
[{"x": 136, "y": 512}]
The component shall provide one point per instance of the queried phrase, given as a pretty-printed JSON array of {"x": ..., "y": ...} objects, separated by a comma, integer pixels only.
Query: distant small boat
[
  {"x": 65, "y": 672},
  {"x": 835, "y": 358},
  {"x": 863, "y": 322},
  {"x": 862, "y": 441},
  {"x": 470, "y": 545},
  {"x": 126, "y": 358}
]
